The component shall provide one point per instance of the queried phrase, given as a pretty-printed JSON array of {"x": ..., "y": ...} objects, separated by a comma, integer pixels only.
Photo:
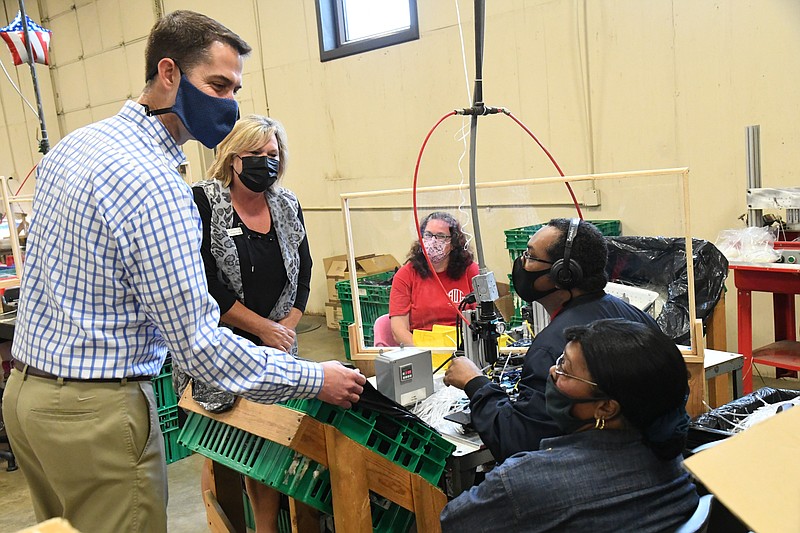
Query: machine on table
[{"x": 404, "y": 374}]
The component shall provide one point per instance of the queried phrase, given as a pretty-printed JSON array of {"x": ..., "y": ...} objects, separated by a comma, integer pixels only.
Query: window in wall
[{"x": 348, "y": 27}]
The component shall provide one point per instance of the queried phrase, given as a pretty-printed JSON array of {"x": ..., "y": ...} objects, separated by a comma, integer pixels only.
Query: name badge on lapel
[{"x": 233, "y": 232}]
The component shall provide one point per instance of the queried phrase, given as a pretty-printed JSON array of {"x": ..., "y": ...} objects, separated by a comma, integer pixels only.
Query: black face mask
[
  {"x": 523, "y": 282},
  {"x": 259, "y": 173},
  {"x": 559, "y": 407}
]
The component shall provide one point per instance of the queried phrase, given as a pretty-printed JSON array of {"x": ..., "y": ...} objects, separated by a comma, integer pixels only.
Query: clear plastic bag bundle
[{"x": 748, "y": 245}]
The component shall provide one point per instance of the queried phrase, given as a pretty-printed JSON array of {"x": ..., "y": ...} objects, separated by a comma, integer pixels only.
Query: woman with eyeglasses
[
  {"x": 416, "y": 300},
  {"x": 618, "y": 393}
]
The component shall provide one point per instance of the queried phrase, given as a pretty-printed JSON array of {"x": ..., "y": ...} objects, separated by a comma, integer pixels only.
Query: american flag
[{"x": 38, "y": 36}]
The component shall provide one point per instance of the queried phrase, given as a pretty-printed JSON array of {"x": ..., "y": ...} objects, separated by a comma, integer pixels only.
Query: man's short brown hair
[{"x": 185, "y": 37}]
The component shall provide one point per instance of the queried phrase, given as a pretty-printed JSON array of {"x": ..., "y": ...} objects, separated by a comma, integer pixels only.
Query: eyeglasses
[
  {"x": 526, "y": 256},
  {"x": 438, "y": 236},
  {"x": 560, "y": 371}
]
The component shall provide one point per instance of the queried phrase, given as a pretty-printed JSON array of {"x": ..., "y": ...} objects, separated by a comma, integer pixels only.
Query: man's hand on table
[{"x": 460, "y": 372}]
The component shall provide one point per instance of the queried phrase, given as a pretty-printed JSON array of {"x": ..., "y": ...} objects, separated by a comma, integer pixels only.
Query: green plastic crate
[
  {"x": 165, "y": 393},
  {"x": 168, "y": 418},
  {"x": 174, "y": 450},
  {"x": 263, "y": 460},
  {"x": 281, "y": 468},
  {"x": 167, "y": 407},
  {"x": 374, "y": 299},
  {"x": 388, "y": 517},
  {"x": 517, "y": 238},
  {"x": 167, "y": 368},
  {"x": 416, "y": 447},
  {"x": 368, "y": 335},
  {"x": 412, "y": 446}
]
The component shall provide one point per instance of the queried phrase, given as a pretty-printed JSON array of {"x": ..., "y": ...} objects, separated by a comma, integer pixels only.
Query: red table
[{"x": 783, "y": 281}]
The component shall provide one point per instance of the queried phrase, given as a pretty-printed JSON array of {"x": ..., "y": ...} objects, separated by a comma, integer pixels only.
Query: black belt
[{"x": 31, "y": 371}]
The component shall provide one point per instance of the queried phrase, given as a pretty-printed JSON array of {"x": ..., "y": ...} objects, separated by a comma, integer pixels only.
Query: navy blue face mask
[{"x": 208, "y": 118}]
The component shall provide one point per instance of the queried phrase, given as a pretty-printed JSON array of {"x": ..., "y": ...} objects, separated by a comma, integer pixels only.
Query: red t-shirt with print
[{"x": 423, "y": 299}]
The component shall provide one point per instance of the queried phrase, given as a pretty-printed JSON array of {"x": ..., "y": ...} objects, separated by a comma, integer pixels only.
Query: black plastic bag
[
  {"x": 373, "y": 400},
  {"x": 718, "y": 423},
  {"x": 661, "y": 262},
  {"x": 723, "y": 418}
]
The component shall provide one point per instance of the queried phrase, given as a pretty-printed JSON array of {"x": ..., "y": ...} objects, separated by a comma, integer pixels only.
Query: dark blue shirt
[
  {"x": 510, "y": 427},
  {"x": 598, "y": 481}
]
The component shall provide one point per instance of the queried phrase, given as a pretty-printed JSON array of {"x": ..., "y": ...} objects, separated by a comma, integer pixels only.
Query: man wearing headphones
[{"x": 564, "y": 270}]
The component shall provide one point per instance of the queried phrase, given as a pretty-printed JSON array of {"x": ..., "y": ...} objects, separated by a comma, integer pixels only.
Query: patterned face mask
[{"x": 437, "y": 250}]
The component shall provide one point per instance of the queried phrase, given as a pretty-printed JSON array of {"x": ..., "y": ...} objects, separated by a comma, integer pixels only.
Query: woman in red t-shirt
[{"x": 416, "y": 300}]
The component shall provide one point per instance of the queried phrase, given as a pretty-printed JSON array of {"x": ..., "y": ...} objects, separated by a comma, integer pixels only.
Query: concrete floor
[{"x": 186, "y": 511}]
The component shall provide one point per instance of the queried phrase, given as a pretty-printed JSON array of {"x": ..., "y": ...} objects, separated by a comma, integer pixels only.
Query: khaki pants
[{"x": 92, "y": 453}]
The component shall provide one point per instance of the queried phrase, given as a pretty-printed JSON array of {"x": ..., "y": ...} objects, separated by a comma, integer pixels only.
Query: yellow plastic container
[{"x": 438, "y": 336}]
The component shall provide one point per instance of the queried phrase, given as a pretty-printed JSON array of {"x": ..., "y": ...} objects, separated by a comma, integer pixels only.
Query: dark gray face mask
[
  {"x": 259, "y": 173},
  {"x": 559, "y": 407}
]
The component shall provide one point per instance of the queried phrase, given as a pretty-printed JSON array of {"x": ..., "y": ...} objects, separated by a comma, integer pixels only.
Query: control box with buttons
[
  {"x": 791, "y": 257},
  {"x": 404, "y": 374}
]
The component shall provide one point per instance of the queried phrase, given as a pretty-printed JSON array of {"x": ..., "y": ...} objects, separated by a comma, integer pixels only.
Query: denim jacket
[
  {"x": 508, "y": 427},
  {"x": 588, "y": 481}
]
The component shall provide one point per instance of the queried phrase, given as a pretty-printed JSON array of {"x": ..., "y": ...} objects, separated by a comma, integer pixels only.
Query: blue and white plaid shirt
[{"x": 114, "y": 277}]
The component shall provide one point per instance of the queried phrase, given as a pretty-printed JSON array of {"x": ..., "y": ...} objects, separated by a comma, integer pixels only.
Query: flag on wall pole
[
  {"x": 39, "y": 37},
  {"x": 36, "y": 48}
]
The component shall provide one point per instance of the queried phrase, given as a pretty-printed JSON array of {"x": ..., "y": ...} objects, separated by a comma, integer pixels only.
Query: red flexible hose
[
  {"x": 416, "y": 214},
  {"x": 416, "y": 176},
  {"x": 26, "y": 179},
  {"x": 555, "y": 164}
]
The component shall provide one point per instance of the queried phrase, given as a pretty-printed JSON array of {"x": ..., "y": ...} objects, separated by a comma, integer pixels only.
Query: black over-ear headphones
[{"x": 566, "y": 272}]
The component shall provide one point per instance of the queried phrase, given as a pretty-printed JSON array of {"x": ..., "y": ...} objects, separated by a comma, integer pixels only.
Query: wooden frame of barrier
[
  {"x": 364, "y": 356},
  {"x": 355, "y": 470},
  {"x": 16, "y": 249}
]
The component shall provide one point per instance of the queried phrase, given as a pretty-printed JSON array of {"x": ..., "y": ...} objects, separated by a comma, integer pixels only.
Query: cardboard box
[
  {"x": 755, "y": 472},
  {"x": 336, "y": 269},
  {"x": 333, "y": 294},
  {"x": 333, "y": 314},
  {"x": 505, "y": 303},
  {"x": 336, "y": 266}
]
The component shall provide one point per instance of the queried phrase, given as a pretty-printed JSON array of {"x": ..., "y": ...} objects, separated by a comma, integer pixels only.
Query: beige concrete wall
[{"x": 606, "y": 85}]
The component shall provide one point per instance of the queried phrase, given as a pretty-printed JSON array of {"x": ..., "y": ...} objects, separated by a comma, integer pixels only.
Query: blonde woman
[{"x": 255, "y": 252}]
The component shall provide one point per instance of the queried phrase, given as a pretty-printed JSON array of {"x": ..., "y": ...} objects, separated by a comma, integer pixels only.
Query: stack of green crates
[
  {"x": 517, "y": 242},
  {"x": 167, "y": 404},
  {"x": 412, "y": 446},
  {"x": 374, "y": 300}
]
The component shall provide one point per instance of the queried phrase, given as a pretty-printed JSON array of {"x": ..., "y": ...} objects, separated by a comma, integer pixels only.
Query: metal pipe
[
  {"x": 753, "y": 148},
  {"x": 44, "y": 143},
  {"x": 473, "y": 129}
]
